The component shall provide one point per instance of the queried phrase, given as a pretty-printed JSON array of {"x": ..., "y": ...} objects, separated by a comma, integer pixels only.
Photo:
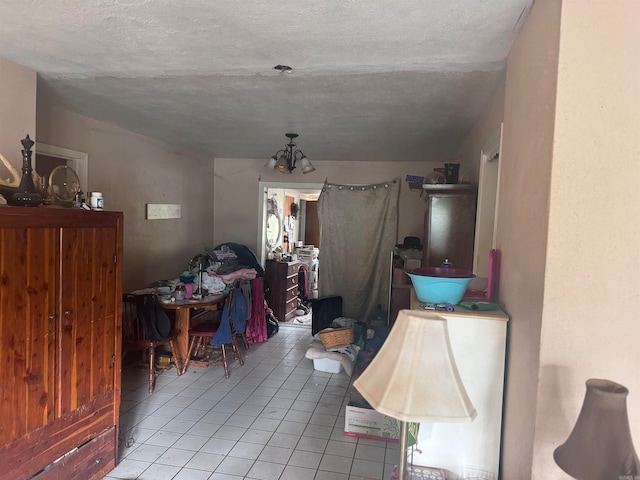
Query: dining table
[{"x": 183, "y": 309}]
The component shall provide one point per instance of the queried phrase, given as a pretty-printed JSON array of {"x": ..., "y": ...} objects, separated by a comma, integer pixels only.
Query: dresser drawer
[
  {"x": 292, "y": 281},
  {"x": 290, "y": 316},
  {"x": 293, "y": 268},
  {"x": 291, "y": 293},
  {"x": 290, "y": 308}
]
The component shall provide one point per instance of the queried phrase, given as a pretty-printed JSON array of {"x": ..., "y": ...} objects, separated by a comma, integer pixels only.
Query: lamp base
[
  {"x": 420, "y": 473},
  {"x": 25, "y": 199}
]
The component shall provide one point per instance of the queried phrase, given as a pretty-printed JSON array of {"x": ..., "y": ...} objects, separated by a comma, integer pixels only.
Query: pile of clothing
[
  {"x": 230, "y": 262},
  {"x": 237, "y": 311},
  {"x": 236, "y": 268}
]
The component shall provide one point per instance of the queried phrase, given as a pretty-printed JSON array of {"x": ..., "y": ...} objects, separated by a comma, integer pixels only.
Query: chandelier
[{"x": 284, "y": 161}]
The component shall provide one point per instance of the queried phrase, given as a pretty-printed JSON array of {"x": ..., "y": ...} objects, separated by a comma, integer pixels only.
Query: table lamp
[
  {"x": 600, "y": 446},
  {"x": 414, "y": 377}
]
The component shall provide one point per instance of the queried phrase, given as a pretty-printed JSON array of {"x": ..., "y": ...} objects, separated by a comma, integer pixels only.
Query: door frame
[
  {"x": 262, "y": 208},
  {"x": 487, "y": 208},
  {"x": 78, "y": 161}
]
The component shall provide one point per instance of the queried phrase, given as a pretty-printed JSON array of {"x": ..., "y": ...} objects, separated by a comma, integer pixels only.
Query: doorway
[
  {"x": 302, "y": 193},
  {"x": 311, "y": 223},
  {"x": 292, "y": 208},
  {"x": 487, "y": 210}
]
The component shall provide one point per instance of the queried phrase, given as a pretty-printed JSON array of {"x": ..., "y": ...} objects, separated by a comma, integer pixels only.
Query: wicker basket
[{"x": 335, "y": 337}]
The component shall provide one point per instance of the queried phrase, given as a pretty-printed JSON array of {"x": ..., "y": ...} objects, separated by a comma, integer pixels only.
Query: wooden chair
[
  {"x": 204, "y": 355},
  {"x": 133, "y": 339},
  {"x": 243, "y": 334},
  {"x": 243, "y": 337}
]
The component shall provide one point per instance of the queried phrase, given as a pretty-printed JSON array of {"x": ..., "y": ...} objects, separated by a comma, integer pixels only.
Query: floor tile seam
[{"x": 244, "y": 458}]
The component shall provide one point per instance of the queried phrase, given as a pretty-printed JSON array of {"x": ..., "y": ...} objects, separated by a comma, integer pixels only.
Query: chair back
[
  {"x": 143, "y": 320},
  {"x": 132, "y": 333},
  {"x": 153, "y": 318}
]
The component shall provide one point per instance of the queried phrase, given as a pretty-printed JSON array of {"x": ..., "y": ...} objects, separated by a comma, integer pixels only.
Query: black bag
[
  {"x": 155, "y": 321},
  {"x": 272, "y": 325},
  {"x": 324, "y": 311}
]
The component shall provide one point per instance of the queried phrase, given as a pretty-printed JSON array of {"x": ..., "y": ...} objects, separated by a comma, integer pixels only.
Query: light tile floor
[{"x": 275, "y": 418}]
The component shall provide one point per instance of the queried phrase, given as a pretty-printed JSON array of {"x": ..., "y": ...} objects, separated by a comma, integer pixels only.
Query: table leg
[{"x": 182, "y": 323}]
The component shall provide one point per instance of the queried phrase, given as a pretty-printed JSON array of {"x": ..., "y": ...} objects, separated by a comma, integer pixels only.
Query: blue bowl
[{"x": 434, "y": 289}]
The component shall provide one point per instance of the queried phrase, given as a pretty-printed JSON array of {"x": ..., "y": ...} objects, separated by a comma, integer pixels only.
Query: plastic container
[
  {"x": 180, "y": 292},
  {"x": 327, "y": 365},
  {"x": 448, "y": 286},
  {"x": 96, "y": 202},
  {"x": 164, "y": 360}
]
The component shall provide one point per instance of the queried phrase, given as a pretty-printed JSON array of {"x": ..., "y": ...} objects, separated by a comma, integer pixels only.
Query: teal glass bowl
[{"x": 440, "y": 285}]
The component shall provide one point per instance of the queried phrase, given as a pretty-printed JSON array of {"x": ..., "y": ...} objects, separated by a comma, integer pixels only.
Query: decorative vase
[{"x": 27, "y": 195}]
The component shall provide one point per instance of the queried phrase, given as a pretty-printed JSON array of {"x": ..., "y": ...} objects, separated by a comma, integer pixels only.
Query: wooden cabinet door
[
  {"x": 87, "y": 331},
  {"x": 449, "y": 226},
  {"x": 28, "y": 309}
]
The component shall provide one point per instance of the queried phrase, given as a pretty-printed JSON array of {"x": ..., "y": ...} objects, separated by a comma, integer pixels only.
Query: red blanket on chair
[{"x": 256, "y": 330}]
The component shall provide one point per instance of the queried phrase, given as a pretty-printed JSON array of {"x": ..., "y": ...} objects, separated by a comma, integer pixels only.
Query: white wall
[
  {"x": 238, "y": 199},
  {"x": 17, "y": 109},
  {"x": 523, "y": 212},
  {"x": 590, "y": 326},
  {"x": 568, "y": 233},
  {"x": 131, "y": 171}
]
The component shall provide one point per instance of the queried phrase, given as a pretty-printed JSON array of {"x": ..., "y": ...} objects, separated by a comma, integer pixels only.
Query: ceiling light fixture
[{"x": 284, "y": 161}]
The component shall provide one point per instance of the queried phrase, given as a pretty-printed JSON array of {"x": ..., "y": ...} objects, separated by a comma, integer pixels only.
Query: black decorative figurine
[{"x": 27, "y": 195}]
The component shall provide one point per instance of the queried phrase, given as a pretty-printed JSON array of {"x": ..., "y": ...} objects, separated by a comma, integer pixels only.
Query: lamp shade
[
  {"x": 282, "y": 165},
  {"x": 272, "y": 162},
  {"x": 307, "y": 167},
  {"x": 600, "y": 446},
  {"x": 414, "y": 377}
]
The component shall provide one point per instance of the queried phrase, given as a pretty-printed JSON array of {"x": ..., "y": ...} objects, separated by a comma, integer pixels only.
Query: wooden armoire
[
  {"x": 449, "y": 225},
  {"x": 60, "y": 342}
]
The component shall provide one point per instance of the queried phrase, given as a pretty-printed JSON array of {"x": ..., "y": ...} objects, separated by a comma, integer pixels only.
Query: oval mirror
[{"x": 274, "y": 227}]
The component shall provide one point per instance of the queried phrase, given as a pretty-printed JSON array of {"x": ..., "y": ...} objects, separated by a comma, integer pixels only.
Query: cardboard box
[
  {"x": 367, "y": 423},
  {"x": 362, "y": 421}
]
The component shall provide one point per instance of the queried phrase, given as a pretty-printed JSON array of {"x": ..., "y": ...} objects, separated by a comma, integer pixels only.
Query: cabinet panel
[
  {"x": 60, "y": 330},
  {"x": 93, "y": 459},
  {"x": 478, "y": 343},
  {"x": 400, "y": 299},
  {"x": 87, "y": 350},
  {"x": 27, "y": 337}
]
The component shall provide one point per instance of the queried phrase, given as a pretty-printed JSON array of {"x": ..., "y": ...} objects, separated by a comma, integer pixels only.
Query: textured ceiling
[{"x": 372, "y": 79}]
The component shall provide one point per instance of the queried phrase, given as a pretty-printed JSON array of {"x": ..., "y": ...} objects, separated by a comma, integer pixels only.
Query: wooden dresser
[
  {"x": 60, "y": 330},
  {"x": 282, "y": 296}
]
